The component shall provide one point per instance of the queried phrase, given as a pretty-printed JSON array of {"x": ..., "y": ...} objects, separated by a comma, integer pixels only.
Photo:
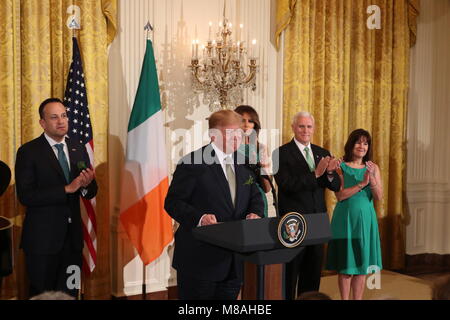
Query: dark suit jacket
[
  {"x": 40, "y": 187},
  {"x": 299, "y": 190},
  {"x": 197, "y": 189}
]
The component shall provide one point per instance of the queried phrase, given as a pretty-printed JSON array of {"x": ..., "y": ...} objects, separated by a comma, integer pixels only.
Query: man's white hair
[{"x": 302, "y": 114}]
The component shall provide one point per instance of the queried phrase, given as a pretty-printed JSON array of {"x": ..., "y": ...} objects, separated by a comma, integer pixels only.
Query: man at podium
[{"x": 209, "y": 186}]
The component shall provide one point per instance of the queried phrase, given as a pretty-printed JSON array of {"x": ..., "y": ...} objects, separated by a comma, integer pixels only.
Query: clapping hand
[
  {"x": 334, "y": 164},
  {"x": 322, "y": 166},
  {"x": 83, "y": 180},
  {"x": 366, "y": 179},
  {"x": 371, "y": 169},
  {"x": 87, "y": 175}
]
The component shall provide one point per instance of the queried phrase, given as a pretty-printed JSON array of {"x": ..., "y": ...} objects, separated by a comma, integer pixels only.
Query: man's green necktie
[
  {"x": 309, "y": 159},
  {"x": 63, "y": 161}
]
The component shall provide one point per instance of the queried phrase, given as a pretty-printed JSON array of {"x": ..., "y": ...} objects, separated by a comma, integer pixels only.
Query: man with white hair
[{"x": 304, "y": 171}]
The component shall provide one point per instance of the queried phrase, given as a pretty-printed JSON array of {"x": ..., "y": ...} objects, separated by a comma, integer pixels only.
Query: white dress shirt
[
  {"x": 55, "y": 150},
  {"x": 302, "y": 147}
]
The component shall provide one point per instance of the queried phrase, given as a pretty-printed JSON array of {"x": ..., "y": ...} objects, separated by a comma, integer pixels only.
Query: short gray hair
[{"x": 302, "y": 114}]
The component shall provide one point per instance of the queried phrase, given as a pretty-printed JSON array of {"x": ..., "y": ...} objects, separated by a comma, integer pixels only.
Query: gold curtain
[
  {"x": 349, "y": 76},
  {"x": 35, "y": 54}
]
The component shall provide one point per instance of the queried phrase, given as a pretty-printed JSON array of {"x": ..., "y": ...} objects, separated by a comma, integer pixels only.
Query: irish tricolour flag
[{"x": 145, "y": 181}]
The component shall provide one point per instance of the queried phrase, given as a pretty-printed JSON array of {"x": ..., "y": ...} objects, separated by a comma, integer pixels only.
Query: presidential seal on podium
[{"x": 292, "y": 229}]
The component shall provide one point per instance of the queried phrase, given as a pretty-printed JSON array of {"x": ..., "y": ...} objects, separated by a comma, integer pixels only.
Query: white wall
[
  {"x": 176, "y": 24},
  {"x": 428, "y": 174}
]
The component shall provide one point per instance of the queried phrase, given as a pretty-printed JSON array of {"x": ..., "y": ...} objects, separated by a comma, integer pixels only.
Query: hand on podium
[
  {"x": 208, "y": 219},
  {"x": 252, "y": 216}
]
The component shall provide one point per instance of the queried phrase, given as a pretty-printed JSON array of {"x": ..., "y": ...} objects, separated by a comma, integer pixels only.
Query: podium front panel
[{"x": 245, "y": 236}]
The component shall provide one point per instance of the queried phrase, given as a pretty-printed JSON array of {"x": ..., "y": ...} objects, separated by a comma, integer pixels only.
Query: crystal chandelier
[{"x": 220, "y": 74}]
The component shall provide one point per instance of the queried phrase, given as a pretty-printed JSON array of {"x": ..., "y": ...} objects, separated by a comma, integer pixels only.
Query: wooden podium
[{"x": 273, "y": 279}]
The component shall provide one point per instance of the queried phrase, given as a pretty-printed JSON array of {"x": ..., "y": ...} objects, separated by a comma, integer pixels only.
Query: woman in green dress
[
  {"x": 253, "y": 150},
  {"x": 355, "y": 249}
]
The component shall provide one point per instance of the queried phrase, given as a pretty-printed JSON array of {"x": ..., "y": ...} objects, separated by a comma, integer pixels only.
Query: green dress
[
  {"x": 250, "y": 152},
  {"x": 355, "y": 246}
]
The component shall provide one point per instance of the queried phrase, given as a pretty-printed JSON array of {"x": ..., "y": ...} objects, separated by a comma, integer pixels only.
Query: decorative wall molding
[{"x": 427, "y": 192}]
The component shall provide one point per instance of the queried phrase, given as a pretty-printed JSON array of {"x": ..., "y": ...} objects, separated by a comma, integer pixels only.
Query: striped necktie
[
  {"x": 62, "y": 159},
  {"x": 231, "y": 177},
  {"x": 309, "y": 159}
]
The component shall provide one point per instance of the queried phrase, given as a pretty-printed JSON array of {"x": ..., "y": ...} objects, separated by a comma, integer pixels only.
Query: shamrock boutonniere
[
  {"x": 81, "y": 165},
  {"x": 249, "y": 181}
]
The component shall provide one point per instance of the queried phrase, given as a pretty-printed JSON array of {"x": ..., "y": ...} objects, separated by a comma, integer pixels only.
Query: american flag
[{"x": 80, "y": 129}]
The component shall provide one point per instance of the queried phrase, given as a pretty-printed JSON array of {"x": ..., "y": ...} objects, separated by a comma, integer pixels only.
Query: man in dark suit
[
  {"x": 304, "y": 171},
  {"x": 211, "y": 186},
  {"x": 49, "y": 182}
]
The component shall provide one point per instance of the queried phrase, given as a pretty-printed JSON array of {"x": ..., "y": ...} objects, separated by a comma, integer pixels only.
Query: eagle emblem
[{"x": 292, "y": 229}]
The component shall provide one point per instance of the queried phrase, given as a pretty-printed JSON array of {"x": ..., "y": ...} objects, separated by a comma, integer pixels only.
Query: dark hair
[
  {"x": 252, "y": 113},
  {"x": 353, "y": 138},
  {"x": 313, "y": 295},
  {"x": 44, "y": 103}
]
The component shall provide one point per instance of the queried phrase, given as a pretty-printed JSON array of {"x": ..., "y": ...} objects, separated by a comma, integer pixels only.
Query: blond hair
[{"x": 223, "y": 118}]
